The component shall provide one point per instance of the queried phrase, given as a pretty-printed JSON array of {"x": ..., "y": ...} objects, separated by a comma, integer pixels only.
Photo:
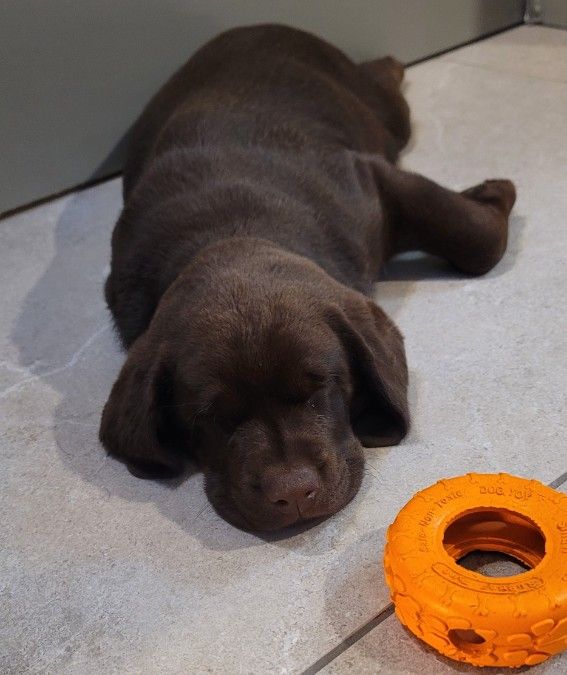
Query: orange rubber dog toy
[{"x": 486, "y": 621}]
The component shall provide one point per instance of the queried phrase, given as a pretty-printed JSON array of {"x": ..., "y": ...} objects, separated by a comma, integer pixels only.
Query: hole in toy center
[
  {"x": 492, "y": 564},
  {"x": 495, "y": 542},
  {"x": 468, "y": 640}
]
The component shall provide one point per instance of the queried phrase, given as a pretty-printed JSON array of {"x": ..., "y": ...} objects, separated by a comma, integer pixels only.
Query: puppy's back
[{"x": 250, "y": 83}]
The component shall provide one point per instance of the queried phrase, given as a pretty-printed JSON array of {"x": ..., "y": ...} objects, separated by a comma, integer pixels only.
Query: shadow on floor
[{"x": 401, "y": 274}]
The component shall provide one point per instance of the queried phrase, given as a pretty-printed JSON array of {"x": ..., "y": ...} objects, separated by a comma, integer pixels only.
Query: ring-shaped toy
[{"x": 486, "y": 621}]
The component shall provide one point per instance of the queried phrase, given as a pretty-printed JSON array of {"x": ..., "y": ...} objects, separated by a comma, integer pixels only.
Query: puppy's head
[{"x": 273, "y": 380}]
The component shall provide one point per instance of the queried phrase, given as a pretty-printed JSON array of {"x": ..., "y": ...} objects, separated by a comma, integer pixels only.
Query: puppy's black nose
[{"x": 291, "y": 487}]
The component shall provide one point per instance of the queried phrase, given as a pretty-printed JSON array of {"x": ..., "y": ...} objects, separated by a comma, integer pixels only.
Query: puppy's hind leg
[
  {"x": 387, "y": 70},
  {"x": 469, "y": 228},
  {"x": 385, "y": 77}
]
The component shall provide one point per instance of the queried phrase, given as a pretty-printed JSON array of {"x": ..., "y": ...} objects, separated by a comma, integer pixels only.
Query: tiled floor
[{"x": 104, "y": 573}]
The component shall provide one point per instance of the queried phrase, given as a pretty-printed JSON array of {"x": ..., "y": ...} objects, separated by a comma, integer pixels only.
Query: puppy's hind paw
[{"x": 500, "y": 193}]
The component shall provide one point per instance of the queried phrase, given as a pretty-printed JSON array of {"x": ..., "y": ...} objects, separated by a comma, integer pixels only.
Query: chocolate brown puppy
[{"x": 261, "y": 199}]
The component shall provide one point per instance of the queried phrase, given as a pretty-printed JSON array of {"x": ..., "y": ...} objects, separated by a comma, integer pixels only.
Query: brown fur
[{"x": 261, "y": 199}]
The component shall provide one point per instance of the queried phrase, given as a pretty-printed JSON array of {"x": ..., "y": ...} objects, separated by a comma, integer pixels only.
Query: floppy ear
[
  {"x": 134, "y": 427},
  {"x": 379, "y": 407}
]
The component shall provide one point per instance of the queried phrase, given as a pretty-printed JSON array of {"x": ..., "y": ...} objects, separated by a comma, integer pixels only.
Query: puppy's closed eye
[
  {"x": 301, "y": 389},
  {"x": 316, "y": 377}
]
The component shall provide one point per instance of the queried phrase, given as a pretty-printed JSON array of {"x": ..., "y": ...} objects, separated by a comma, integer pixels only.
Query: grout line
[
  {"x": 555, "y": 26},
  {"x": 350, "y": 640},
  {"x": 472, "y": 41},
  {"x": 382, "y": 615},
  {"x": 558, "y": 481}
]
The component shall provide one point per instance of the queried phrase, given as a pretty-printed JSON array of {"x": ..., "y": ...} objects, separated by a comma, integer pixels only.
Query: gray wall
[
  {"x": 553, "y": 12},
  {"x": 74, "y": 74}
]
